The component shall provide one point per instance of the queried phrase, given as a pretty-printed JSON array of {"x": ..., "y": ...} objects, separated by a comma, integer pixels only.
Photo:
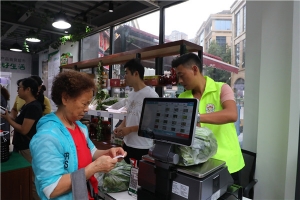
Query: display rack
[{"x": 102, "y": 113}]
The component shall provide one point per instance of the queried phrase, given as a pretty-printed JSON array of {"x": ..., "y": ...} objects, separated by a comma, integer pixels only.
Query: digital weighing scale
[{"x": 171, "y": 121}]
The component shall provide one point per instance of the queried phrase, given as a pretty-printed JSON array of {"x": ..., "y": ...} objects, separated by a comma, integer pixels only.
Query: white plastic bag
[
  {"x": 116, "y": 180},
  {"x": 204, "y": 147}
]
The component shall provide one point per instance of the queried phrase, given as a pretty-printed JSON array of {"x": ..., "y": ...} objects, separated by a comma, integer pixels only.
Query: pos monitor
[{"x": 169, "y": 120}]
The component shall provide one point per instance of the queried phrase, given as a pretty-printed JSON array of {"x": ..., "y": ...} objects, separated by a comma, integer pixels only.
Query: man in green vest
[{"x": 217, "y": 109}]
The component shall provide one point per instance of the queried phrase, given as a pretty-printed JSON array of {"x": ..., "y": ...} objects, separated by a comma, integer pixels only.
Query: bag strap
[{"x": 91, "y": 189}]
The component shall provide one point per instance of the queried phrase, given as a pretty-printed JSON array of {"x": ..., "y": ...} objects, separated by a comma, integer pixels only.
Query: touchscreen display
[{"x": 170, "y": 120}]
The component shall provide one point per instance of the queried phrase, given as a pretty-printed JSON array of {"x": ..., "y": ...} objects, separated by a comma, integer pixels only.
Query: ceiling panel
[{"x": 19, "y": 17}]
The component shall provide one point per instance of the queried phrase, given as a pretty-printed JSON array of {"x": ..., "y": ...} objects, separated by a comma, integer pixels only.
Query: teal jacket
[{"x": 54, "y": 154}]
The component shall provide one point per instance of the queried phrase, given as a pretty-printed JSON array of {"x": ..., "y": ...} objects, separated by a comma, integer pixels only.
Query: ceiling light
[
  {"x": 60, "y": 21},
  {"x": 111, "y": 7},
  {"x": 16, "y": 47},
  {"x": 33, "y": 39},
  {"x": 32, "y": 36}
]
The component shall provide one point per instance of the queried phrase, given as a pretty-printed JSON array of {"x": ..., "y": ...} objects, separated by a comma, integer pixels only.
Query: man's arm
[
  {"x": 227, "y": 115},
  {"x": 127, "y": 130},
  {"x": 122, "y": 130}
]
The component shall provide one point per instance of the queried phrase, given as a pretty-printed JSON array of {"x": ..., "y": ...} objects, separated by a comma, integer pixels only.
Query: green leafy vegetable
[
  {"x": 116, "y": 180},
  {"x": 204, "y": 147}
]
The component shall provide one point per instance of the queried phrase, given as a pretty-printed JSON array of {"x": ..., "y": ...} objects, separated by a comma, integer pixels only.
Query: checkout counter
[
  {"x": 16, "y": 178},
  {"x": 159, "y": 177},
  {"x": 125, "y": 196}
]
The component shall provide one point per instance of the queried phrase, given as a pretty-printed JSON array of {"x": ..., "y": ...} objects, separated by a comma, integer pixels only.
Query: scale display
[{"x": 171, "y": 120}]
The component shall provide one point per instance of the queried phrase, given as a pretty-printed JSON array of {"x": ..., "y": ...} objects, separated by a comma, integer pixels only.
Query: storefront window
[
  {"x": 95, "y": 46},
  {"x": 135, "y": 34}
]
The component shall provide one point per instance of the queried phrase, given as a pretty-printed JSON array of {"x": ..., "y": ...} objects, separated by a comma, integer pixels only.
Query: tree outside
[{"x": 223, "y": 52}]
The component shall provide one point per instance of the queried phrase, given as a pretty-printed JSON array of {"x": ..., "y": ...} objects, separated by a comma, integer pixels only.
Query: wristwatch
[{"x": 198, "y": 118}]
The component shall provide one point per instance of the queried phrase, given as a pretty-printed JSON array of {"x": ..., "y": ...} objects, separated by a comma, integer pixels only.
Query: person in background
[
  {"x": 4, "y": 98},
  {"x": 134, "y": 145},
  {"x": 64, "y": 158},
  {"x": 217, "y": 109},
  {"x": 19, "y": 102},
  {"x": 25, "y": 123},
  {"x": 41, "y": 96}
]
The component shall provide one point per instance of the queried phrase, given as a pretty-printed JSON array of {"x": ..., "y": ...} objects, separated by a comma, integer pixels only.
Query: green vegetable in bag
[
  {"x": 116, "y": 180},
  {"x": 204, "y": 147}
]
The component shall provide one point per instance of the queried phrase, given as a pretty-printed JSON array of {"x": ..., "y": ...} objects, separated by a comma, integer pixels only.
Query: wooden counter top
[{"x": 15, "y": 161}]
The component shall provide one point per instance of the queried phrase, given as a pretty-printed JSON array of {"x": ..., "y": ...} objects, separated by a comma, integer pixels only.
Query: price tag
[
  {"x": 110, "y": 115},
  {"x": 133, "y": 181}
]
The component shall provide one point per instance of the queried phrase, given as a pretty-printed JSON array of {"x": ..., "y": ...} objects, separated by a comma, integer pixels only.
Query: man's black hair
[
  {"x": 19, "y": 81},
  {"x": 188, "y": 59},
  {"x": 134, "y": 65}
]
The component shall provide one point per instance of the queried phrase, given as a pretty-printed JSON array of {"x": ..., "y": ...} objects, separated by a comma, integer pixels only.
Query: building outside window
[
  {"x": 206, "y": 46},
  {"x": 244, "y": 24},
  {"x": 237, "y": 24},
  {"x": 244, "y": 53},
  {"x": 202, "y": 39},
  {"x": 237, "y": 55},
  {"x": 222, "y": 24},
  {"x": 221, "y": 41},
  {"x": 239, "y": 87}
]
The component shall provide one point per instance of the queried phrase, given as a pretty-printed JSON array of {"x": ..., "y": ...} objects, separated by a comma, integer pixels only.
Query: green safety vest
[{"x": 228, "y": 145}]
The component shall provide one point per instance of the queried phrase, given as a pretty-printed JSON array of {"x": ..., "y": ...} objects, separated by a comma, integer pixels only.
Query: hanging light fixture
[
  {"x": 32, "y": 36},
  {"x": 111, "y": 7},
  {"x": 16, "y": 47},
  {"x": 60, "y": 21}
]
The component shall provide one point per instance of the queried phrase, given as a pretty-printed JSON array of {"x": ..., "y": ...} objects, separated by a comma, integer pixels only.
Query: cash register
[{"x": 169, "y": 122}]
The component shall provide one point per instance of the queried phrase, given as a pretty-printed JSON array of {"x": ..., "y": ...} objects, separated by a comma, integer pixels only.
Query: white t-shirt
[{"x": 134, "y": 109}]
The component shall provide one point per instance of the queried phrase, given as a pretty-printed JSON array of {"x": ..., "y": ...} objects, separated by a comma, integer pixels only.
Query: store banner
[{"x": 15, "y": 62}]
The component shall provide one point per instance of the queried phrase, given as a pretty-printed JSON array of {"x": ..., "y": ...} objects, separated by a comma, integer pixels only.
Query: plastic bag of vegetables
[
  {"x": 204, "y": 147},
  {"x": 116, "y": 180}
]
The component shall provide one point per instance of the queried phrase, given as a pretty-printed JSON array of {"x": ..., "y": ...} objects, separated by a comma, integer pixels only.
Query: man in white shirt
[{"x": 134, "y": 145}]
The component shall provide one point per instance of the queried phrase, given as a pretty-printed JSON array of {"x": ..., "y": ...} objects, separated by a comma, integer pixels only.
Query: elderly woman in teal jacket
[{"x": 64, "y": 158}]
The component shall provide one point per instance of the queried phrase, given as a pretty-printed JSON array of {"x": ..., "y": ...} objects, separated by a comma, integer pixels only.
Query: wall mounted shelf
[{"x": 163, "y": 50}]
